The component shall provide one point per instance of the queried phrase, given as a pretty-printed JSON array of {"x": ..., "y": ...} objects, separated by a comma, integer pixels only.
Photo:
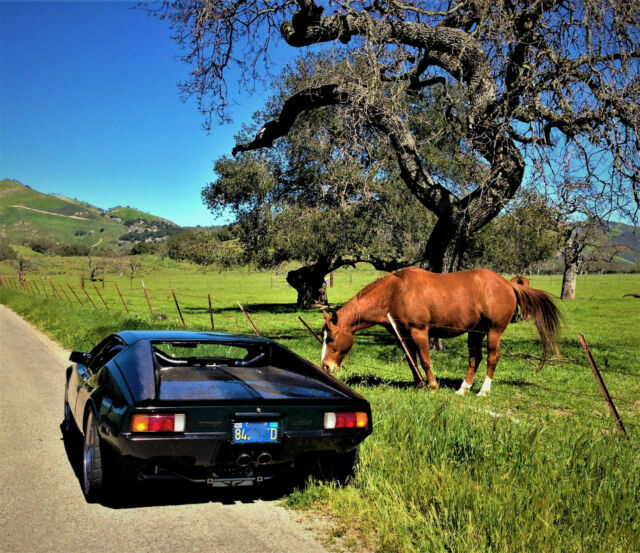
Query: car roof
[{"x": 133, "y": 336}]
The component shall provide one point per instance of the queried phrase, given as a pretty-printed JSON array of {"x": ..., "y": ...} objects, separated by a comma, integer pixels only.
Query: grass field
[{"x": 537, "y": 466}]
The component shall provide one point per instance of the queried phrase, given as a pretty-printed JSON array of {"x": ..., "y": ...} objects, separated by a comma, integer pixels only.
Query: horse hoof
[
  {"x": 462, "y": 391},
  {"x": 483, "y": 393}
]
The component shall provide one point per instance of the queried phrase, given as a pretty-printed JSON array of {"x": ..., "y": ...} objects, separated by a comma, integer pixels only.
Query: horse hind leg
[
  {"x": 420, "y": 338},
  {"x": 474, "y": 343},
  {"x": 493, "y": 356}
]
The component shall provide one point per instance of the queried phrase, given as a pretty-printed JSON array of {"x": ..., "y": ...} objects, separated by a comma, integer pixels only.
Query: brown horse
[{"x": 425, "y": 304}]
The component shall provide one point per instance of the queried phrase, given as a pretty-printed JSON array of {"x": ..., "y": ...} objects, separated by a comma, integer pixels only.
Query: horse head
[{"x": 336, "y": 342}]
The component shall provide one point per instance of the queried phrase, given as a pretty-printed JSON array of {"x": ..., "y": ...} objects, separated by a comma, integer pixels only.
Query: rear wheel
[
  {"x": 333, "y": 466},
  {"x": 93, "y": 467}
]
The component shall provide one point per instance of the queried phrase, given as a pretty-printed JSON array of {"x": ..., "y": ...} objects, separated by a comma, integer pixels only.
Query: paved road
[{"x": 42, "y": 508}]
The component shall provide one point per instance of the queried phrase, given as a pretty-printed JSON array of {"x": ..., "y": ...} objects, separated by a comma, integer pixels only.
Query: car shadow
[{"x": 132, "y": 494}]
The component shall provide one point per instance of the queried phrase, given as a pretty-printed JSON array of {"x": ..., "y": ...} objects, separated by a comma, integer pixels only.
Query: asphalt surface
[{"x": 42, "y": 508}]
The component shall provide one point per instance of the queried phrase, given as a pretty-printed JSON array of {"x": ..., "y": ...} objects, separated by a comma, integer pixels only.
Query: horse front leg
[
  {"x": 474, "y": 344},
  {"x": 420, "y": 338},
  {"x": 493, "y": 356}
]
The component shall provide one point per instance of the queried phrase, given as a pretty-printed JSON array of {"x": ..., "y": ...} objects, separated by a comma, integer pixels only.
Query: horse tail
[{"x": 538, "y": 305}]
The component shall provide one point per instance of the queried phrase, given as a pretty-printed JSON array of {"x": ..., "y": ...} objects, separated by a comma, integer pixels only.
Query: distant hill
[
  {"x": 27, "y": 215},
  {"x": 627, "y": 236}
]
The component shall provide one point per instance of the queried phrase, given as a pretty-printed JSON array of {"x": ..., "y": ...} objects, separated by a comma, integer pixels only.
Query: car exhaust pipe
[
  {"x": 243, "y": 460},
  {"x": 264, "y": 458}
]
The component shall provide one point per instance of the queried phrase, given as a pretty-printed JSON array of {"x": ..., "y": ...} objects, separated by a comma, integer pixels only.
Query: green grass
[{"x": 537, "y": 466}]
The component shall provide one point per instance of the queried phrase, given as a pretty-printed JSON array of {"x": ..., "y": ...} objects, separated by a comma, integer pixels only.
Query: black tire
[
  {"x": 67, "y": 426},
  {"x": 93, "y": 466}
]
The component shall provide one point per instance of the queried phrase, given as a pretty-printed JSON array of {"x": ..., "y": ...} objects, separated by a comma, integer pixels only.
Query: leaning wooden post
[
  {"x": 410, "y": 359},
  {"x": 248, "y": 319},
  {"x": 74, "y": 293},
  {"x": 121, "y": 298},
  {"x": 211, "y": 312},
  {"x": 55, "y": 291},
  {"x": 44, "y": 287},
  {"x": 146, "y": 295},
  {"x": 178, "y": 307},
  {"x": 100, "y": 296},
  {"x": 310, "y": 329},
  {"x": 65, "y": 294},
  {"x": 89, "y": 298},
  {"x": 605, "y": 392}
]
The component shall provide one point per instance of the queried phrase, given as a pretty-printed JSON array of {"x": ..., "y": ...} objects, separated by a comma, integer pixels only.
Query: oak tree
[{"x": 513, "y": 76}]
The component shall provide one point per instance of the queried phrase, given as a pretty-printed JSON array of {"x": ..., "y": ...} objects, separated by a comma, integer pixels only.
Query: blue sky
[{"x": 89, "y": 108}]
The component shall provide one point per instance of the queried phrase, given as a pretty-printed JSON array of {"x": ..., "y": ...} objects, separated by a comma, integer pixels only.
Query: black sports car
[{"x": 214, "y": 408}]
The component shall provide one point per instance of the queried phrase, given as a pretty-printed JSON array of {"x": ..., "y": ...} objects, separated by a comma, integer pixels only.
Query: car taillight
[
  {"x": 158, "y": 423},
  {"x": 345, "y": 420}
]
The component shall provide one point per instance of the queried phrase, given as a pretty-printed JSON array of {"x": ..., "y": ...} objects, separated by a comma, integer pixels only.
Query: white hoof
[
  {"x": 483, "y": 393},
  {"x": 462, "y": 391}
]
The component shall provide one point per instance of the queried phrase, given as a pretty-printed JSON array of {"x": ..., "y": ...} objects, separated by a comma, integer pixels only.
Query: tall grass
[{"x": 537, "y": 466}]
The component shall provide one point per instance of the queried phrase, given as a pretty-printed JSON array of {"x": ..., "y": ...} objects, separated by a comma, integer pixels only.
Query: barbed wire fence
[{"x": 197, "y": 309}]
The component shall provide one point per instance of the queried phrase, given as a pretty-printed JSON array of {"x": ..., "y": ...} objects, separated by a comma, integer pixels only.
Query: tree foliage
[
  {"x": 519, "y": 239},
  {"x": 316, "y": 199},
  {"x": 205, "y": 248}
]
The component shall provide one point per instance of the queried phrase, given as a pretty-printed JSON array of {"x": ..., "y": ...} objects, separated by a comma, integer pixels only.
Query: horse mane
[{"x": 350, "y": 311}]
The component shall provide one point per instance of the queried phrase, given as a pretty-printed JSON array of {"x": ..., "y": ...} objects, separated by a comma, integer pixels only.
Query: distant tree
[
  {"x": 582, "y": 203},
  {"x": 204, "y": 248},
  {"x": 142, "y": 248},
  {"x": 69, "y": 250},
  {"x": 42, "y": 245},
  {"x": 6, "y": 251},
  {"x": 519, "y": 239}
]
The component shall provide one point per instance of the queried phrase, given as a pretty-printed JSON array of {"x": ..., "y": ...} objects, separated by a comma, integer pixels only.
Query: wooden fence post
[
  {"x": 74, "y": 293},
  {"x": 100, "y": 296},
  {"x": 248, "y": 319},
  {"x": 605, "y": 392},
  {"x": 146, "y": 295},
  {"x": 211, "y": 313},
  {"x": 65, "y": 294},
  {"x": 121, "y": 298},
  {"x": 89, "y": 298},
  {"x": 410, "y": 360},
  {"x": 178, "y": 307},
  {"x": 55, "y": 292},
  {"x": 310, "y": 329}
]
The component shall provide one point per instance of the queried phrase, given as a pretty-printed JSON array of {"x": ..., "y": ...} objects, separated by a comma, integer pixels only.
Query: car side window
[{"x": 102, "y": 355}]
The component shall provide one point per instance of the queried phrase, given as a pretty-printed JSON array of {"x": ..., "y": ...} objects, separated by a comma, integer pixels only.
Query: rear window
[
  {"x": 210, "y": 371},
  {"x": 208, "y": 354}
]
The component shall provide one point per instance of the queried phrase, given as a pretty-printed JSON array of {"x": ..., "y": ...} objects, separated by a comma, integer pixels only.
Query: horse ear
[{"x": 330, "y": 319}]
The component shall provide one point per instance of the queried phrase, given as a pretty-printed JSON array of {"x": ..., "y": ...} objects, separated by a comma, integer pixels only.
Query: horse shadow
[{"x": 372, "y": 381}]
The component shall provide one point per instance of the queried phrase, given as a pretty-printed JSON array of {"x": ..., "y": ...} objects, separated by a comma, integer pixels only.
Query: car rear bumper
[{"x": 214, "y": 449}]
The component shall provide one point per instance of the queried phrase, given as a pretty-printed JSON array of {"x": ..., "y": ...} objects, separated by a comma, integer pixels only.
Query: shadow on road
[{"x": 131, "y": 494}]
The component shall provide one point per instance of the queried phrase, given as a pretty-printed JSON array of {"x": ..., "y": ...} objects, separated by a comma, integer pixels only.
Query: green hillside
[{"x": 27, "y": 215}]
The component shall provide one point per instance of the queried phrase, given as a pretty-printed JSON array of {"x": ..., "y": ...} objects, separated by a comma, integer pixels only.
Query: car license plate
[{"x": 255, "y": 432}]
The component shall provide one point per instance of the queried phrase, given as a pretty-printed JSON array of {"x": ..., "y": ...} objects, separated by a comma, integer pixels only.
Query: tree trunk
[
  {"x": 572, "y": 252},
  {"x": 309, "y": 282},
  {"x": 445, "y": 248},
  {"x": 569, "y": 281}
]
